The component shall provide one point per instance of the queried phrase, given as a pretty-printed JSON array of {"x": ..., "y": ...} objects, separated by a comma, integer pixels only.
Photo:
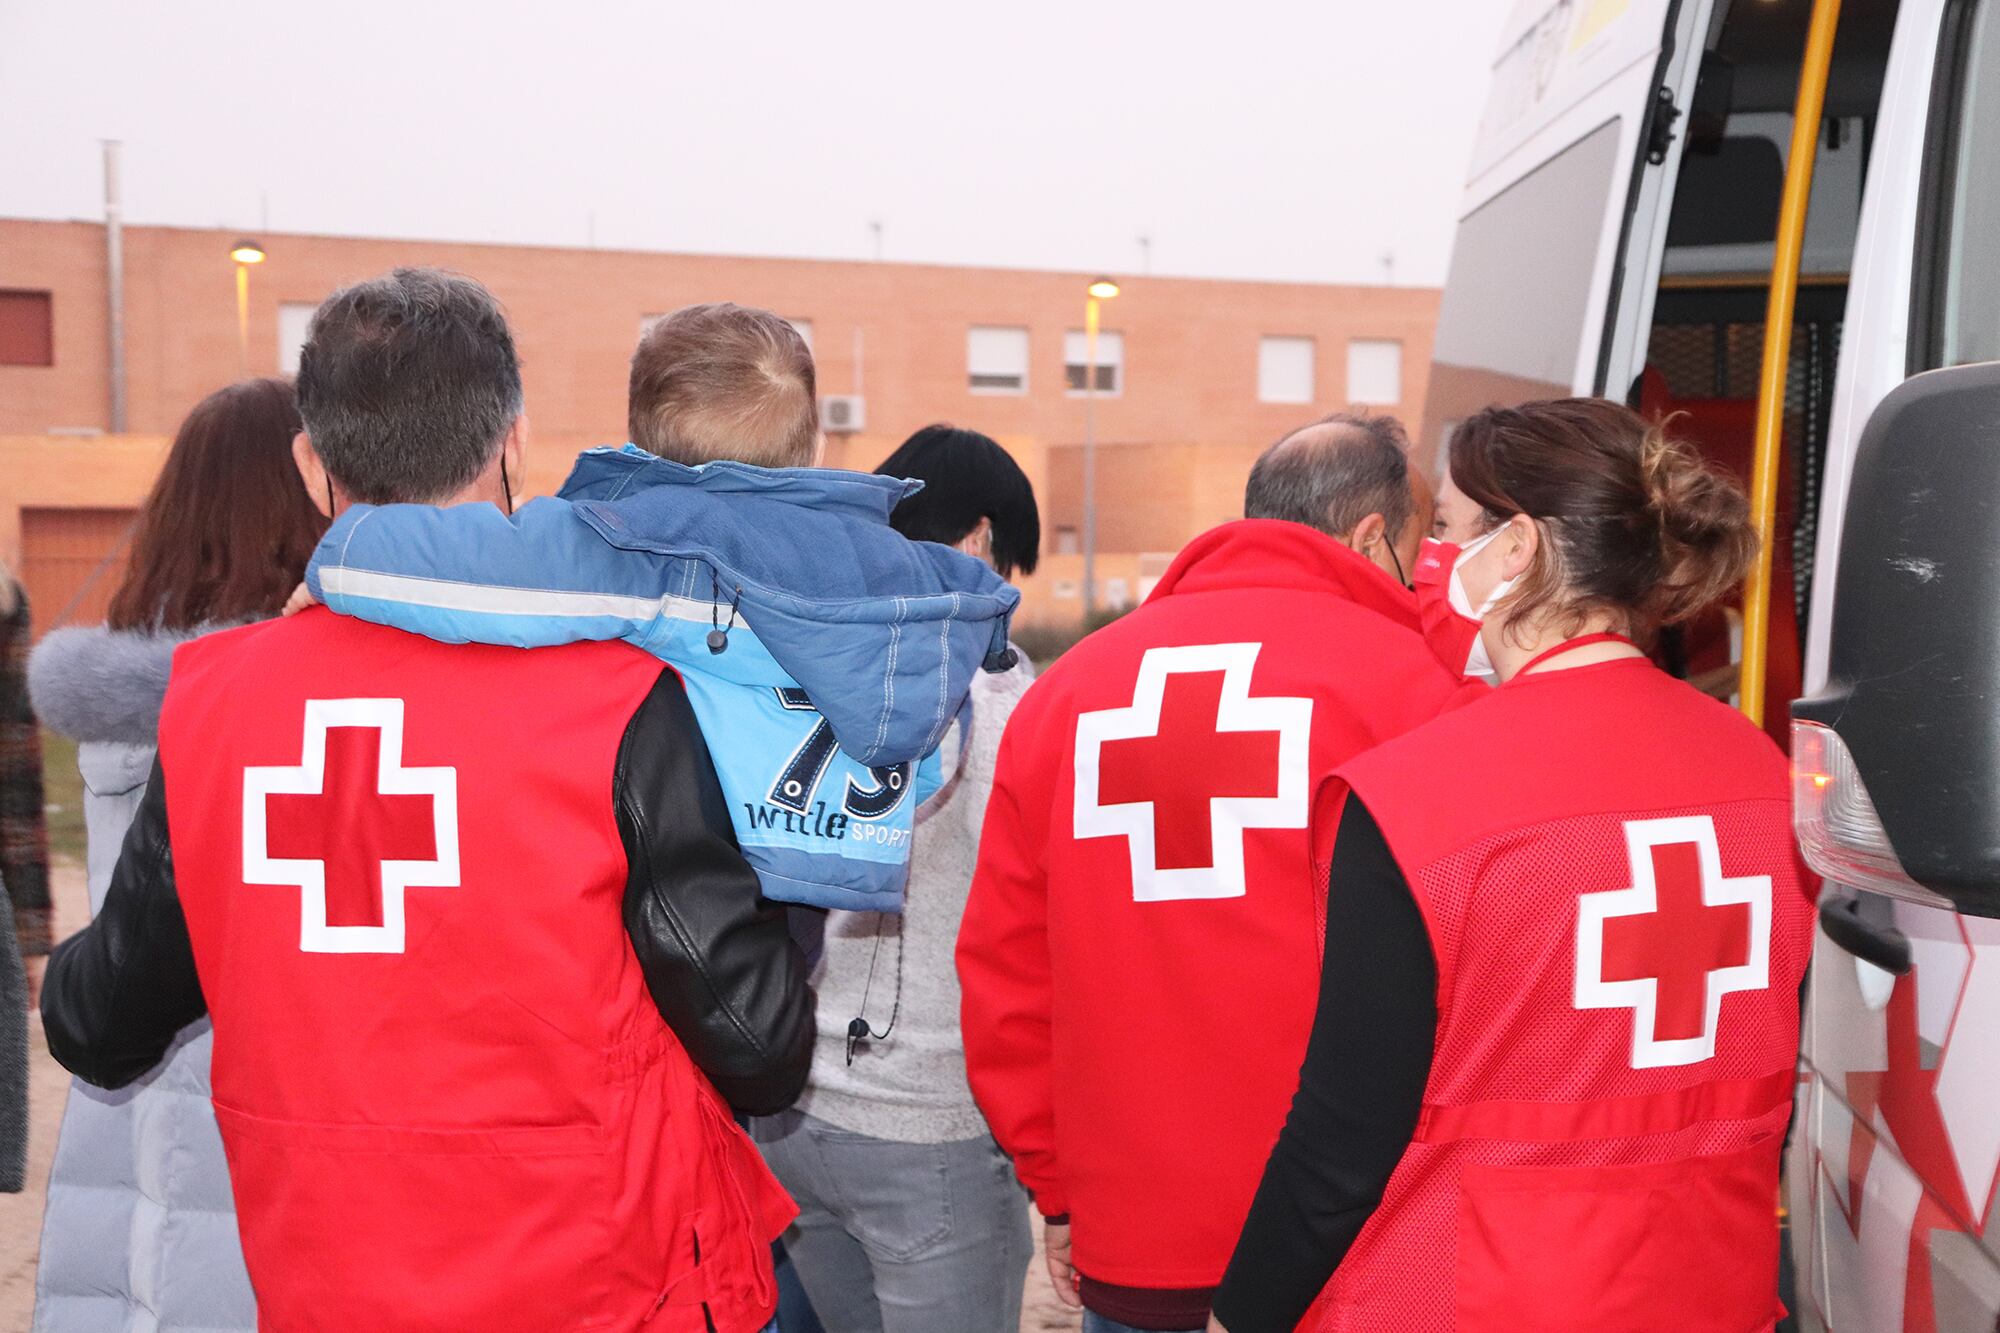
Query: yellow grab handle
[{"x": 1806, "y": 113}]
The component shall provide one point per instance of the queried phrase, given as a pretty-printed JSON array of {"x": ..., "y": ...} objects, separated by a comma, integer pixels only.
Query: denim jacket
[{"x": 824, "y": 653}]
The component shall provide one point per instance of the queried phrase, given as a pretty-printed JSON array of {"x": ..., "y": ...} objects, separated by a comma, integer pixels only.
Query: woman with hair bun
[{"x": 1552, "y": 1065}]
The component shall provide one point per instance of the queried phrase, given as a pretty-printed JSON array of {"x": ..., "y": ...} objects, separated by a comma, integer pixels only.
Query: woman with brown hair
[
  {"x": 1553, "y": 1059},
  {"x": 140, "y": 1228}
]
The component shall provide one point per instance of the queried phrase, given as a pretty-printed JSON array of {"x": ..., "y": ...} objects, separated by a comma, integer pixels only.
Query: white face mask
[{"x": 1480, "y": 664}]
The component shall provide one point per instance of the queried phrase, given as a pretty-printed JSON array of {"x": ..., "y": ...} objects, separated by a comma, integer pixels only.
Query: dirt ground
[{"x": 21, "y": 1214}]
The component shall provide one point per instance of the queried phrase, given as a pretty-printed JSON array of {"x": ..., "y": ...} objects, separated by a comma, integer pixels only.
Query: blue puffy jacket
[{"x": 824, "y": 653}]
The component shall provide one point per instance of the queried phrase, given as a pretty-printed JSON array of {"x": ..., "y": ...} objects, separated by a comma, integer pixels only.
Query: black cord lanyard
[{"x": 858, "y": 1030}]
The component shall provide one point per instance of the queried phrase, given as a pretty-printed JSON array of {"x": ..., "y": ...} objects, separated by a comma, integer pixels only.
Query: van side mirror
[{"x": 1909, "y": 718}]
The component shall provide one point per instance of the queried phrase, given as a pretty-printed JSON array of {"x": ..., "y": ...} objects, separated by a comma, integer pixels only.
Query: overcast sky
[{"x": 1291, "y": 139}]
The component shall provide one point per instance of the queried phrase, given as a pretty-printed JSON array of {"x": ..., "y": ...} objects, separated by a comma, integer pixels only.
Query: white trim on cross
[
  {"x": 1642, "y": 995},
  {"x": 391, "y": 779},
  {"x": 1229, "y": 816}
]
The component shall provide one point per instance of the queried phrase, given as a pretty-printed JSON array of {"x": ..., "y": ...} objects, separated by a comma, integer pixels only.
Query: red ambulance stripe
[{"x": 1610, "y": 1118}]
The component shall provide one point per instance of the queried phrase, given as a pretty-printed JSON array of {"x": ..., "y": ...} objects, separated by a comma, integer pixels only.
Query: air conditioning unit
[{"x": 843, "y": 413}]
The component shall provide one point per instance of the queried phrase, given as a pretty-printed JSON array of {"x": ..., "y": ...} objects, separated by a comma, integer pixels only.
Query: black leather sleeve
[
  {"x": 1361, "y": 1089},
  {"x": 717, "y": 956},
  {"x": 120, "y": 989}
]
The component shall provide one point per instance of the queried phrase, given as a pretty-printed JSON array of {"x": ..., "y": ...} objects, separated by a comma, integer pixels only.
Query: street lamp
[
  {"x": 245, "y": 252},
  {"x": 1100, "y": 290}
]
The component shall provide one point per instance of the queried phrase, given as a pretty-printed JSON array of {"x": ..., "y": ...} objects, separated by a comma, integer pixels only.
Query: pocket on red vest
[
  {"x": 1674, "y": 1247},
  {"x": 707, "y": 1279},
  {"x": 349, "y": 1226}
]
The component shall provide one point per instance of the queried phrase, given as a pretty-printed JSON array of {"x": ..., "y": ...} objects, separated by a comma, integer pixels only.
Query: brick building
[{"x": 1198, "y": 375}]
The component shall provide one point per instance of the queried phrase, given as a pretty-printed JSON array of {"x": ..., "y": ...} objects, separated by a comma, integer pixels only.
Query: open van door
[
  {"x": 1896, "y": 1152},
  {"x": 1621, "y": 236},
  {"x": 1564, "y": 214}
]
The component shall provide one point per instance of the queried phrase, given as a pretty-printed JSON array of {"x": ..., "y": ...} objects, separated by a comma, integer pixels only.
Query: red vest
[
  {"x": 1140, "y": 953},
  {"x": 1604, "y": 859},
  {"x": 447, "y": 1098}
]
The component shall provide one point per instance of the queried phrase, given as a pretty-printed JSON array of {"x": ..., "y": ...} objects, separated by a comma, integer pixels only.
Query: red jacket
[
  {"x": 448, "y": 1100},
  {"x": 1604, "y": 860},
  {"x": 1140, "y": 954}
]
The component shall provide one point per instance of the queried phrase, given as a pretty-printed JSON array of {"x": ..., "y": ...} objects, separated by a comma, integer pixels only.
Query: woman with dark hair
[
  {"x": 1553, "y": 1060},
  {"x": 910, "y": 1217},
  {"x": 140, "y": 1229}
]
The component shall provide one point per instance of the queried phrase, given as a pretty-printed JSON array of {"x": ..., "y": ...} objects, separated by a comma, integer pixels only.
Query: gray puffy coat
[{"x": 140, "y": 1233}]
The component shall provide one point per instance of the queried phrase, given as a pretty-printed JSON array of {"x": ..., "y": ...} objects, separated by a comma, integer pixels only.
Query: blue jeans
[
  {"x": 795, "y": 1312},
  {"x": 1094, "y": 1322},
  {"x": 901, "y": 1237}
]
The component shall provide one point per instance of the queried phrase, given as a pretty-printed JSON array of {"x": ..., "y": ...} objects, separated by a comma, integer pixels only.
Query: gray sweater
[{"x": 910, "y": 1086}]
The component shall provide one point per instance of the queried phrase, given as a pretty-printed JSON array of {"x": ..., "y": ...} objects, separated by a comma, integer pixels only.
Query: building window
[
  {"x": 1284, "y": 370},
  {"x": 996, "y": 359},
  {"x": 27, "y": 329},
  {"x": 805, "y": 329},
  {"x": 294, "y": 318},
  {"x": 1110, "y": 361},
  {"x": 1375, "y": 371},
  {"x": 1067, "y": 542}
]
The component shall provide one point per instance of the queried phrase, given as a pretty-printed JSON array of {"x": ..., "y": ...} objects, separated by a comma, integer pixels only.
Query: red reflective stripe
[{"x": 1610, "y": 1117}]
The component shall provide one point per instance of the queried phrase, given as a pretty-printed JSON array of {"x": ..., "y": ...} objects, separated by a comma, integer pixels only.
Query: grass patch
[{"x": 62, "y": 791}]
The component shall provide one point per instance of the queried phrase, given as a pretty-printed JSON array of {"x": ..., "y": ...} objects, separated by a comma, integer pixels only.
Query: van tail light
[{"x": 1838, "y": 830}]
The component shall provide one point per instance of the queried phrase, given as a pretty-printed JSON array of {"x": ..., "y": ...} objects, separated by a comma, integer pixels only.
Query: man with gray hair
[
  {"x": 1140, "y": 955},
  {"x": 483, "y": 957},
  {"x": 1349, "y": 476}
]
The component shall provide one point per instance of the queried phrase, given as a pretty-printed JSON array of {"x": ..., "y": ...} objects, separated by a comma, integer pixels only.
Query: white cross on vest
[
  {"x": 1189, "y": 766},
  {"x": 351, "y": 827},
  {"x": 1674, "y": 943}
]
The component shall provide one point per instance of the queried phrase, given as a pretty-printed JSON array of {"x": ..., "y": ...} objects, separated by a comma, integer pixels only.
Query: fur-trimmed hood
[{"x": 94, "y": 683}]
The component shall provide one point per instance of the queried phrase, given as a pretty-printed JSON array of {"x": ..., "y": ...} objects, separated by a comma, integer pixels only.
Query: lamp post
[
  {"x": 245, "y": 253},
  {"x": 1099, "y": 291}
]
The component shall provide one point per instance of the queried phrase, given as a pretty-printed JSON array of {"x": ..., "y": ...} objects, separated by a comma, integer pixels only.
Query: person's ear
[
  {"x": 1523, "y": 539},
  {"x": 313, "y": 473},
  {"x": 1368, "y": 535},
  {"x": 978, "y": 543}
]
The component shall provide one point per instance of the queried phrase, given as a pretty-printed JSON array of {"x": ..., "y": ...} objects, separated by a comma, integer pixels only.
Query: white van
[{"x": 1617, "y": 238}]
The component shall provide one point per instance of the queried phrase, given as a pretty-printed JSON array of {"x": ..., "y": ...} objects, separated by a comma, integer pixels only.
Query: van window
[
  {"x": 1512, "y": 320},
  {"x": 1969, "y": 314}
]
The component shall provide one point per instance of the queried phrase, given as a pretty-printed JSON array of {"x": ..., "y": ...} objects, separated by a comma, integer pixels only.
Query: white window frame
[
  {"x": 1370, "y": 345},
  {"x": 291, "y": 313},
  {"x": 976, "y": 364},
  {"x": 1110, "y": 352},
  {"x": 1273, "y": 352}
]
